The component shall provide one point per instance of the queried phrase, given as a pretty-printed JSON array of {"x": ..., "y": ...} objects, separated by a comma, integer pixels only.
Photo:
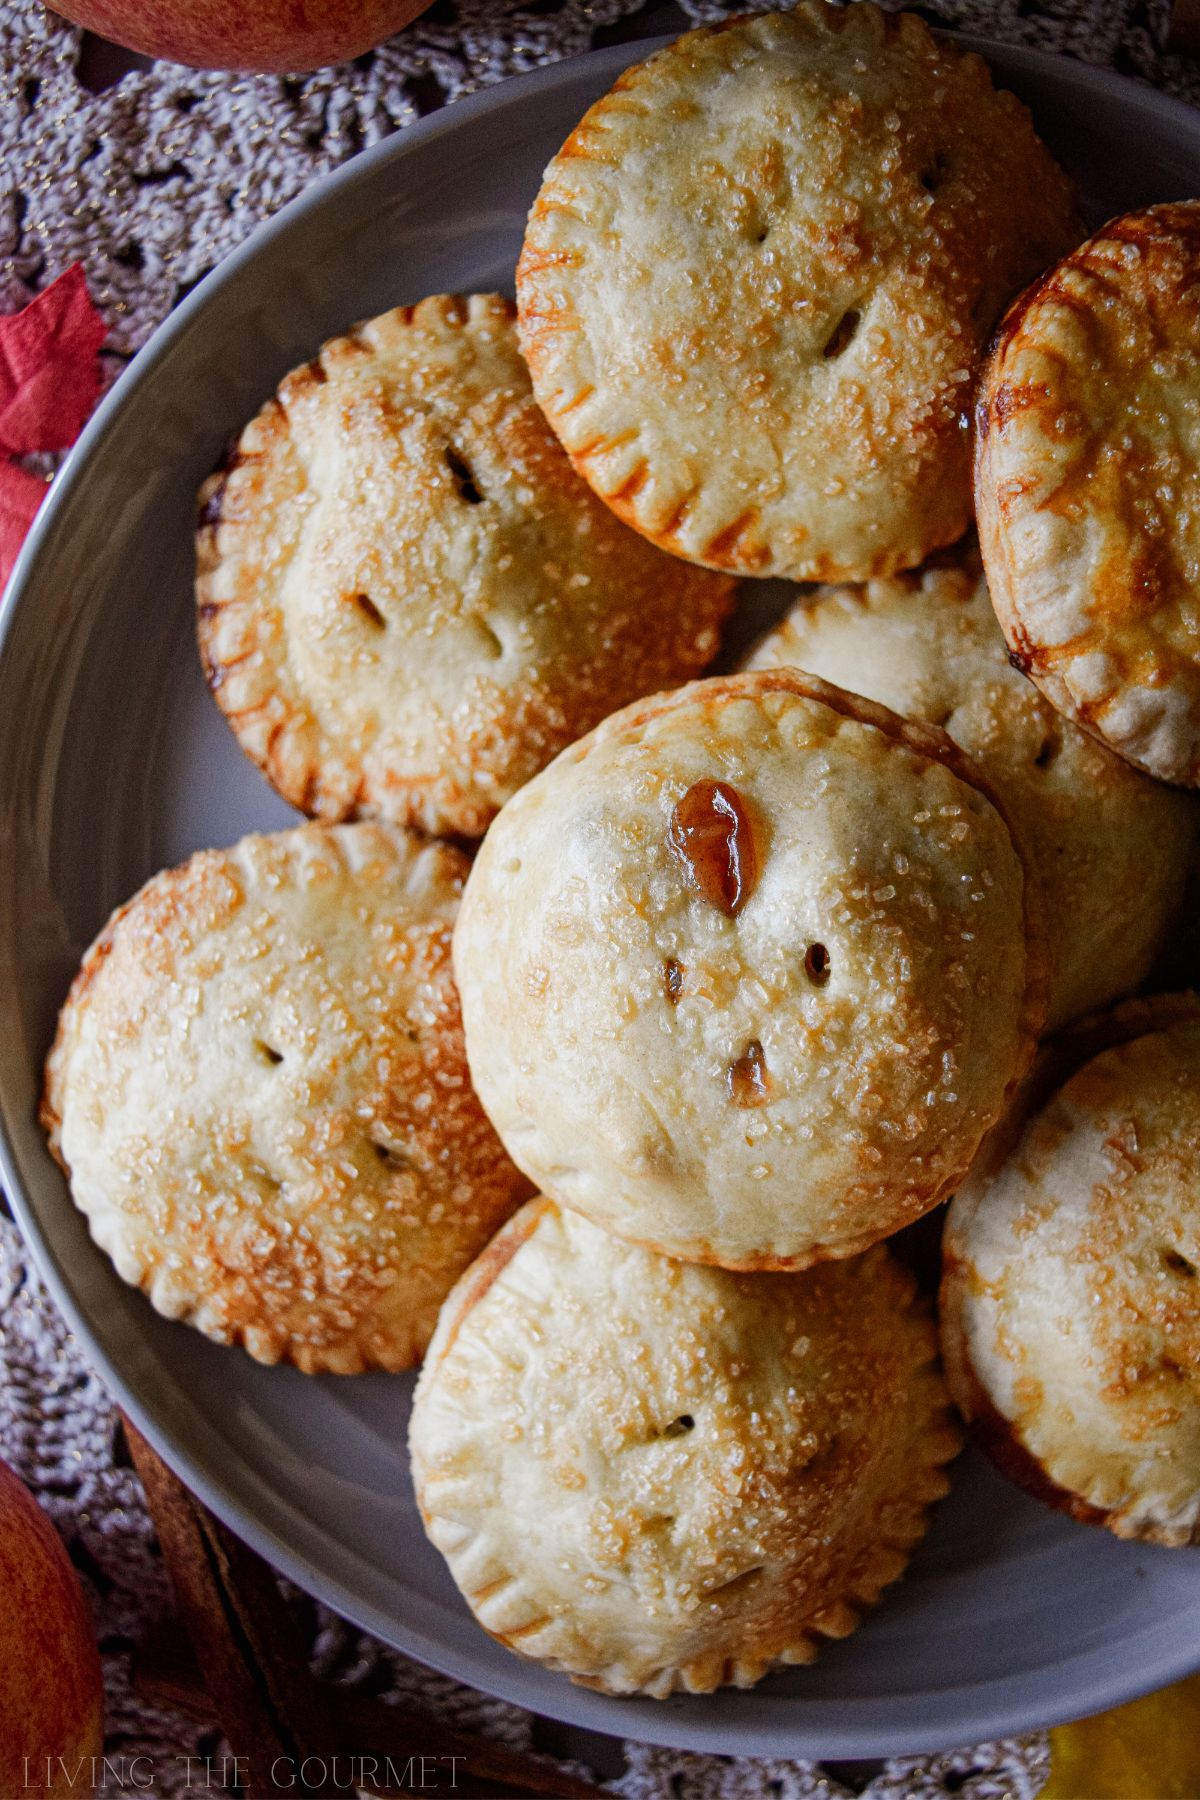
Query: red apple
[
  {"x": 51, "y": 1696},
  {"x": 277, "y": 36}
]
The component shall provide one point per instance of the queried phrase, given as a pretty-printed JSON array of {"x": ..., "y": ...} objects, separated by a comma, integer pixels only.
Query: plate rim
[{"x": 647, "y": 1721}]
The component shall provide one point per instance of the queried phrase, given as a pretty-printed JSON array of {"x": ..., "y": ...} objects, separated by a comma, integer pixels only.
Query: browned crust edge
[
  {"x": 994, "y": 399},
  {"x": 892, "y": 24},
  {"x": 997, "y": 1436},
  {"x": 912, "y": 734},
  {"x": 95, "y": 958},
  {"x": 841, "y": 1617},
  {"x": 747, "y": 567},
  {"x": 97, "y": 954},
  {"x": 472, "y": 1286},
  {"x": 463, "y": 814},
  {"x": 703, "y": 1253},
  {"x": 307, "y": 797},
  {"x": 1060, "y": 1057}
]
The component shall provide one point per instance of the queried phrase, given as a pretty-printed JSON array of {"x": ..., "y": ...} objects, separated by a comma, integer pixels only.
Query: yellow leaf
[{"x": 1148, "y": 1750}]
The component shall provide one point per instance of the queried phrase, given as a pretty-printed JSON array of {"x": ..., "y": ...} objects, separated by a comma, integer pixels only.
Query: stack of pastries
[{"x": 607, "y": 1115}]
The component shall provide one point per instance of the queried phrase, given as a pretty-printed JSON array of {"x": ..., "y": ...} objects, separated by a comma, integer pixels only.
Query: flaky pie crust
[
  {"x": 407, "y": 600},
  {"x": 659, "y": 1477},
  {"x": 259, "y": 1092}
]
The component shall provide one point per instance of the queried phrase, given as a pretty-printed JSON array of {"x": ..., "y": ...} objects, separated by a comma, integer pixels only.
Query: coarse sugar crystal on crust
[
  {"x": 259, "y": 1093},
  {"x": 1108, "y": 850},
  {"x": 658, "y": 1477},
  {"x": 747, "y": 973},
  {"x": 1069, "y": 1315},
  {"x": 408, "y": 601},
  {"x": 757, "y": 277},
  {"x": 1087, "y": 486}
]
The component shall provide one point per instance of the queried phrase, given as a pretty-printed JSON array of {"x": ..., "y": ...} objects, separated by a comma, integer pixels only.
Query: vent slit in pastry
[
  {"x": 1108, "y": 849},
  {"x": 817, "y": 965},
  {"x": 408, "y": 601},
  {"x": 464, "y": 479},
  {"x": 640, "y": 1557},
  {"x": 313, "y": 1206},
  {"x": 842, "y": 335},
  {"x": 1070, "y": 1329},
  {"x": 370, "y": 611},
  {"x": 767, "y": 1115},
  {"x": 799, "y": 394}
]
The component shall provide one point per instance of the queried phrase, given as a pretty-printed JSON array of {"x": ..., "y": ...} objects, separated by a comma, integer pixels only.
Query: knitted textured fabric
[
  {"x": 60, "y": 1432},
  {"x": 149, "y": 183}
]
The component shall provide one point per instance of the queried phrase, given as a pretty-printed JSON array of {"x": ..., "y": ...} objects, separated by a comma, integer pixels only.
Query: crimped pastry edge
[
  {"x": 344, "y": 1357},
  {"x": 995, "y": 1433},
  {"x": 732, "y": 547},
  {"x": 1004, "y": 578},
  {"x": 276, "y": 734},
  {"x": 942, "y": 1432},
  {"x": 929, "y": 741}
]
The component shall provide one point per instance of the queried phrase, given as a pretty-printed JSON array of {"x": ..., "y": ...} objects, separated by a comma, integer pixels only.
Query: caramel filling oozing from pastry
[
  {"x": 712, "y": 837},
  {"x": 749, "y": 1083}
]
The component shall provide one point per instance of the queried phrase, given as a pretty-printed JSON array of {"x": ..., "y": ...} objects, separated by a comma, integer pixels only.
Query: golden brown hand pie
[
  {"x": 745, "y": 974},
  {"x": 408, "y": 600},
  {"x": 1071, "y": 1295},
  {"x": 1108, "y": 849},
  {"x": 757, "y": 276},
  {"x": 1087, "y": 485},
  {"x": 260, "y": 1095},
  {"x": 657, "y": 1476}
]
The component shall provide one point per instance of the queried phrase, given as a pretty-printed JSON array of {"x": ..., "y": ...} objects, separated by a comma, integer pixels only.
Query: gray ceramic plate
[{"x": 114, "y": 762}]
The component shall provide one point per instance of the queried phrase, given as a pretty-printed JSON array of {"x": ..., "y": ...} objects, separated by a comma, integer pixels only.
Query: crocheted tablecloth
[{"x": 149, "y": 182}]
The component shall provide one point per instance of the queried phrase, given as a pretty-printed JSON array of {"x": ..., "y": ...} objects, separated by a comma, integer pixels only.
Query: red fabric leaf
[
  {"x": 20, "y": 496},
  {"x": 49, "y": 376}
]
